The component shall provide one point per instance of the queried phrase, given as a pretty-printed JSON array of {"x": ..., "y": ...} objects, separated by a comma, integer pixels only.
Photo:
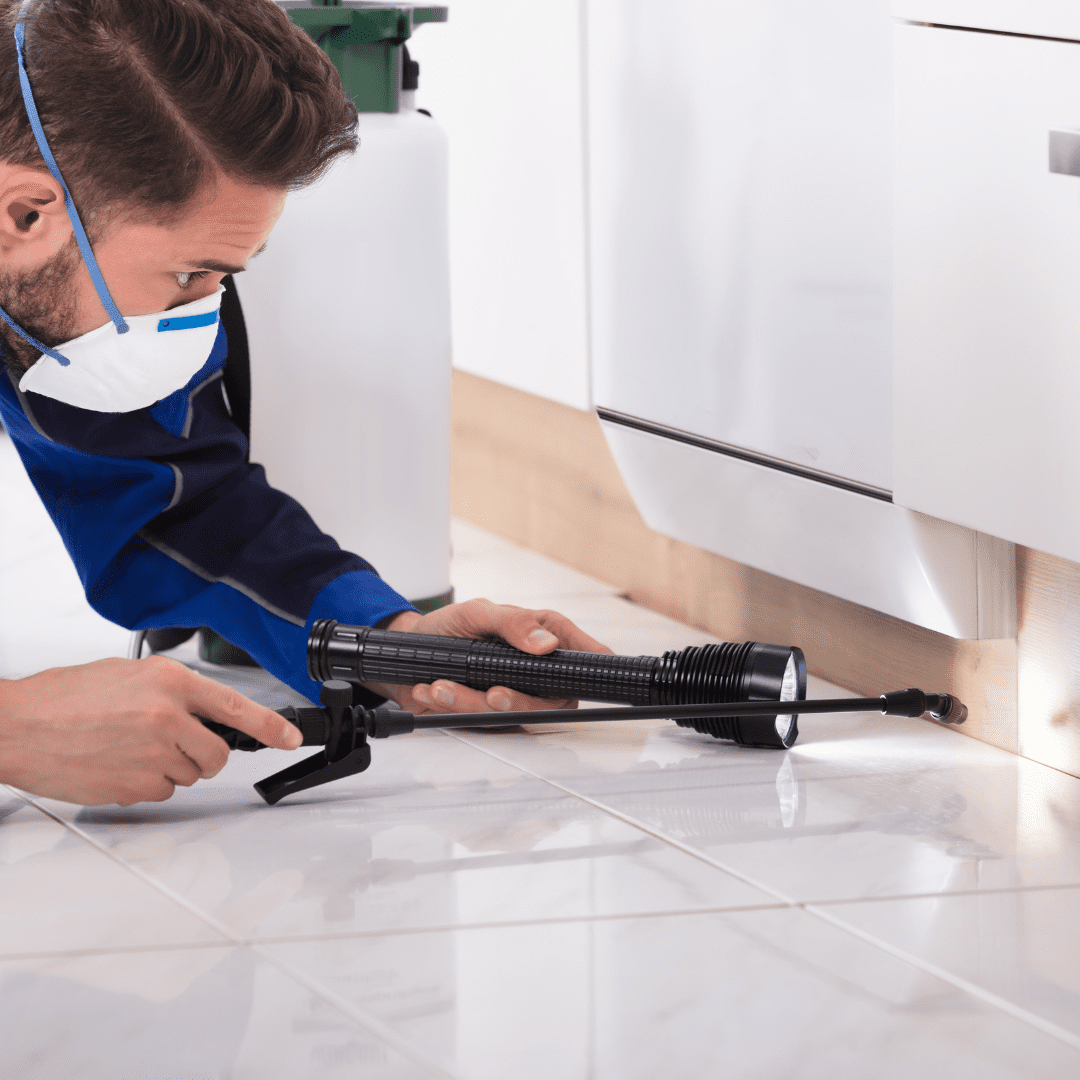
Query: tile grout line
[
  {"x": 999, "y": 890},
  {"x": 257, "y": 940},
  {"x": 504, "y": 924},
  {"x": 988, "y": 997},
  {"x": 516, "y": 924},
  {"x": 113, "y": 950},
  {"x": 1047, "y": 1027},
  {"x": 254, "y": 940},
  {"x": 375, "y": 1026}
]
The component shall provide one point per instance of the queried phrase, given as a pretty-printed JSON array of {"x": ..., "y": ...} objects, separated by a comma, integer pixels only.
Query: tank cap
[{"x": 364, "y": 41}]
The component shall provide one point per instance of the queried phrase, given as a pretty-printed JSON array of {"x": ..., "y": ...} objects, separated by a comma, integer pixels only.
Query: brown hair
[{"x": 143, "y": 100}]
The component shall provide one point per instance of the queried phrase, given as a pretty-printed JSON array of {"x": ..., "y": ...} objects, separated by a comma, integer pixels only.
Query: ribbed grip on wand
[{"x": 362, "y": 654}]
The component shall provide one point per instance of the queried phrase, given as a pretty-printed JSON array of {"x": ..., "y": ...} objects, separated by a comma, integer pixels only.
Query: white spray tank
[{"x": 348, "y": 317}]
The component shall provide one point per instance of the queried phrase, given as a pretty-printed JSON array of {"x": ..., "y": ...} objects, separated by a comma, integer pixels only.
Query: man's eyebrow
[
  {"x": 220, "y": 267},
  {"x": 217, "y": 267}
]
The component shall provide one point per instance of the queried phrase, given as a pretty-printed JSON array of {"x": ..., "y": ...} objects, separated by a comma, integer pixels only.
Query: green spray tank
[{"x": 348, "y": 315}]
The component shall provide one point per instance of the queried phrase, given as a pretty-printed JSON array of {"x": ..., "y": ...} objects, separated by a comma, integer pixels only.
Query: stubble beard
[{"x": 42, "y": 302}]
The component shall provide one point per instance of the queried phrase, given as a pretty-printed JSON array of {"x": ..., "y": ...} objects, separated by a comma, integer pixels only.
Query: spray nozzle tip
[{"x": 952, "y": 711}]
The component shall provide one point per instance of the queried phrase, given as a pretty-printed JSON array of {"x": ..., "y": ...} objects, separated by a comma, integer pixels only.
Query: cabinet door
[
  {"x": 987, "y": 285},
  {"x": 740, "y": 224}
]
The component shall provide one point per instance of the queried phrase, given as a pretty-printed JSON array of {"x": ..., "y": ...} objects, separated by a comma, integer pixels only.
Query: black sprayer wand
[{"x": 729, "y": 691}]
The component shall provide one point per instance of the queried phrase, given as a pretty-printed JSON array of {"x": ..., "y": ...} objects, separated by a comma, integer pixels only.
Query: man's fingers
[
  {"x": 521, "y": 628},
  {"x": 540, "y": 632},
  {"x": 142, "y": 790},
  {"x": 183, "y": 771},
  {"x": 445, "y": 696},
  {"x": 536, "y": 632},
  {"x": 502, "y": 699},
  {"x": 569, "y": 634},
  {"x": 202, "y": 748},
  {"x": 516, "y": 626},
  {"x": 230, "y": 707},
  {"x": 450, "y": 697}
]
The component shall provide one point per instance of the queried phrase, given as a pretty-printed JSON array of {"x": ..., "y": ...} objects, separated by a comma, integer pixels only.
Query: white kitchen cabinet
[
  {"x": 505, "y": 79},
  {"x": 987, "y": 283}
]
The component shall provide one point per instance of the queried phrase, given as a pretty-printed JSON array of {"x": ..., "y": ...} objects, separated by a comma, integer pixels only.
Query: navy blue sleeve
[{"x": 168, "y": 524}]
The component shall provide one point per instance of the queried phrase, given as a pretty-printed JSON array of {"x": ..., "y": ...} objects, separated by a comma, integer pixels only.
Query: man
[{"x": 146, "y": 148}]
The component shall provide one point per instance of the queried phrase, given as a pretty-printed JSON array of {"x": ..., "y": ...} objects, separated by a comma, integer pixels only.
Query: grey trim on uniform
[
  {"x": 191, "y": 401},
  {"x": 178, "y": 486},
  {"x": 214, "y": 579},
  {"x": 26, "y": 407},
  {"x": 135, "y": 644}
]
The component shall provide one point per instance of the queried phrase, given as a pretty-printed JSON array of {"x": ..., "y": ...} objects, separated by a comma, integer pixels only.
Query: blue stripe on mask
[{"x": 187, "y": 322}]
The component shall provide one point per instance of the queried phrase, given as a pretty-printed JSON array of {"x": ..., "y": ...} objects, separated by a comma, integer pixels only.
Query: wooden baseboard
[{"x": 540, "y": 474}]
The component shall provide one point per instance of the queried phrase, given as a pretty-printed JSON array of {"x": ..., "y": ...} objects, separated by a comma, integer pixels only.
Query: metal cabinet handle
[{"x": 1065, "y": 152}]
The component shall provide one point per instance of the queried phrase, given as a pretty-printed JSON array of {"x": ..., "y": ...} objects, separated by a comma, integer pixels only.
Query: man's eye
[{"x": 185, "y": 279}]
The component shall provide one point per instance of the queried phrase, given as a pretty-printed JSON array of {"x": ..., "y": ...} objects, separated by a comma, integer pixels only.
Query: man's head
[{"x": 178, "y": 125}]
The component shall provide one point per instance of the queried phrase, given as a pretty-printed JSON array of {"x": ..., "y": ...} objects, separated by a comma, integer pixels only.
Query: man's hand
[
  {"x": 122, "y": 731},
  {"x": 534, "y": 632}
]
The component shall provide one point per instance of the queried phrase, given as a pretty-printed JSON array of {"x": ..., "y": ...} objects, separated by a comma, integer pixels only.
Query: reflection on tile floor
[
  {"x": 887, "y": 899},
  {"x": 854, "y": 820},
  {"x": 183, "y": 1014},
  {"x": 1019, "y": 944},
  {"x": 57, "y": 893},
  {"x": 436, "y": 834},
  {"x": 748, "y": 994}
]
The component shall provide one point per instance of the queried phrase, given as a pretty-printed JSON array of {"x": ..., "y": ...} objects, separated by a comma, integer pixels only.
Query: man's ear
[{"x": 34, "y": 224}]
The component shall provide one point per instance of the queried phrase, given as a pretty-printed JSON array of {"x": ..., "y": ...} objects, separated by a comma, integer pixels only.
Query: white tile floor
[{"x": 887, "y": 899}]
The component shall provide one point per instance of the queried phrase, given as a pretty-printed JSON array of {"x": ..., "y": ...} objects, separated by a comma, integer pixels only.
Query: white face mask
[{"x": 118, "y": 373}]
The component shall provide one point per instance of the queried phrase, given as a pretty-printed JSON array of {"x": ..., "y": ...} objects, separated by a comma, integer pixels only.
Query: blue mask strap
[
  {"x": 62, "y": 360},
  {"x": 76, "y": 221}
]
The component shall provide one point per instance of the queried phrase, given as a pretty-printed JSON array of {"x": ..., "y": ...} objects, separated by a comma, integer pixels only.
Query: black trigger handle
[
  {"x": 346, "y": 754},
  {"x": 313, "y": 772}
]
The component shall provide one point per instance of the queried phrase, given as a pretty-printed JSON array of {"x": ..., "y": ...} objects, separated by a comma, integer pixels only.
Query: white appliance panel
[
  {"x": 740, "y": 224},
  {"x": 987, "y": 295}
]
